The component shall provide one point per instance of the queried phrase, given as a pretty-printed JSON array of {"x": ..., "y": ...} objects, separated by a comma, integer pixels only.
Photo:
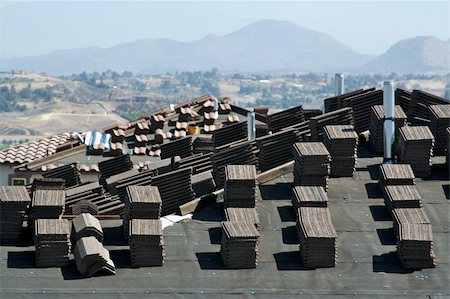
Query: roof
[
  {"x": 367, "y": 265},
  {"x": 35, "y": 150},
  {"x": 367, "y": 261}
]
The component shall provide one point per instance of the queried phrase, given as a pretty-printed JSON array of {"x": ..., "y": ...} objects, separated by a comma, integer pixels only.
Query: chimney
[
  {"x": 389, "y": 120},
  {"x": 339, "y": 84},
  {"x": 251, "y": 129}
]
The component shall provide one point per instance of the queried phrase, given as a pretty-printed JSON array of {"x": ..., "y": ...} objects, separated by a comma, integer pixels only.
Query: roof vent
[
  {"x": 251, "y": 128},
  {"x": 389, "y": 120},
  {"x": 339, "y": 84}
]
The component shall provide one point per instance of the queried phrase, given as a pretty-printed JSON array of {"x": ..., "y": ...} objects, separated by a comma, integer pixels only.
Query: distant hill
[
  {"x": 415, "y": 55},
  {"x": 262, "y": 46}
]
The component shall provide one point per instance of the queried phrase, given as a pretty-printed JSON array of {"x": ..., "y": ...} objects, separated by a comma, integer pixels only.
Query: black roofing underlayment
[{"x": 366, "y": 263}]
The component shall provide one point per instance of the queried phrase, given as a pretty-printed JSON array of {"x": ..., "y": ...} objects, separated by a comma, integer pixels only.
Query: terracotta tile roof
[{"x": 35, "y": 150}]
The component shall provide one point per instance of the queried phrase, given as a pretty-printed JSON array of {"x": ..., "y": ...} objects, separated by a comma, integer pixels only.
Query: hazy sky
[{"x": 36, "y": 27}]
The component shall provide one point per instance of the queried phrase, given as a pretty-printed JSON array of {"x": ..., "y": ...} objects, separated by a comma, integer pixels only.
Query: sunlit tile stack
[
  {"x": 342, "y": 142},
  {"x": 312, "y": 164}
]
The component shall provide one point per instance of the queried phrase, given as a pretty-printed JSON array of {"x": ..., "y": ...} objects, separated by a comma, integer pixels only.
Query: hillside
[
  {"x": 262, "y": 46},
  {"x": 416, "y": 55}
]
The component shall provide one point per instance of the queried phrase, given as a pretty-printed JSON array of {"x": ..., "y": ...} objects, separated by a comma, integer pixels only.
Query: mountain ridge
[{"x": 266, "y": 45}]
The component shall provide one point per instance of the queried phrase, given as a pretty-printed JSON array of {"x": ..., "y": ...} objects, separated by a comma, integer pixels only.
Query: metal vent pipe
[
  {"x": 338, "y": 84},
  {"x": 389, "y": 120},
  {"x": 216, "y": 107},
  {"x": 251, "y": 126}
]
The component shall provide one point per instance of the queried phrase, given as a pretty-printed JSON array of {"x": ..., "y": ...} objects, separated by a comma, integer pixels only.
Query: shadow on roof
[
  {"x": 121, "y": 258},
  {"x": 287, "y": 213},
  {"x": 210, "y": 261},
  {"x": 210, "y": 213},
  {"x": 215, "y": 235},
  {"x": 380, "y": 213},
  {"x": 114, "y": 236},
  {"x": 22, "y": 259},
  {"x": 446, "y": 190},
  {"x": 386, "y": 235},
  {"x": 388, "y": 263},
  {"x": 289, "y": 235},
  {"x": 374, "y": 171},
  {"x": 365, "y": 152},
  {"x": 70, "y": 271},
  {"x": 439, "y": 172},
  {"x": 373, "y": 190},
  {"x": 289, "y": 260},
  {"x": 278, "y": 191}
]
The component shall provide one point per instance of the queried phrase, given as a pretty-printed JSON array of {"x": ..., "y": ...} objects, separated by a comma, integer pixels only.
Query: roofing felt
[{"x": 367, "y": 264}]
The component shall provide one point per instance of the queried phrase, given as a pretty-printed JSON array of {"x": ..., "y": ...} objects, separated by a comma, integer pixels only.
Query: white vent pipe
[
  {"x": 338, "y": 84},
  {"x": 251, "y": 126},
  {"x": 389, "y": 120}
]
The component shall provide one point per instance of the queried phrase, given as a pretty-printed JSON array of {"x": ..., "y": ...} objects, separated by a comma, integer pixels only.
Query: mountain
[
  {"x": 415, "y": 55},
  {"x": 262, "y": 46}
]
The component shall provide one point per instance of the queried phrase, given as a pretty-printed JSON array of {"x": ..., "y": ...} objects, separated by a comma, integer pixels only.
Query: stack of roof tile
[
  {"x": 84, "y": 206},
  {"x": 230, "y": 133},
  {"x": 92, "y": 192},
  {"x": 308, "y": 113},
  {"x": 341, "y": 116},
  {"x": 270, "y": 154},
  {"x": 396, "y": 174},
  {"x": 312, "y": 164},
  {"x": 302, "y": 130},
  {"x": 224, "y": 108},
  {"x": 114, "y": 166},
  {"x": 341, "y": 142},
  {"x": 181, "y": 147},
  {"x": 440, "y": 120},
  {"x": 117, "y": 138},
  {"x": 203, "y": 144},
  {"x": 401, "y": 196},
  {"x": 361, "y": 106},
  {"x": 342, "y": 100},
  {"x": 70, "y": 173},
  {"x": 240, "y": 186},
  {"x": 317, "y": 237},
  {"x": 242, "y": 214},
  {"x": 14, "y": 201},
  {"x": 47, "y": 204},
  {"x": 146, "y": 242},
  {"x": 186, "y": 114},
  {"x": 156, "y": 122},
  {"x": 51, "y": 238},
  {"x": 377, "y": 124},
  {"x": 120, "y": 182},
  {"x": 141, "y": 130},
  {"x": 203, "y": 183},
  {"x": 415, "y": 146},
  {"x": 199, "y": 162},
  {"x": 414, "y": 238},
  {"x": 236, "y": 154},
  {"x": 403, "y": 98},
  {"x": 175, "y": 189},
  {"x": 85, "y": 225},
  {"x": 285, "y": 118},
  {"x": 141, "y": 202},
  {"x": 239, "y": 245},
  {"x": 48, "y": 184},
  {"x": 92, "y": 258},
  {"x": 418, "y": 112},
  {"x": 309, "y": 196}
]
